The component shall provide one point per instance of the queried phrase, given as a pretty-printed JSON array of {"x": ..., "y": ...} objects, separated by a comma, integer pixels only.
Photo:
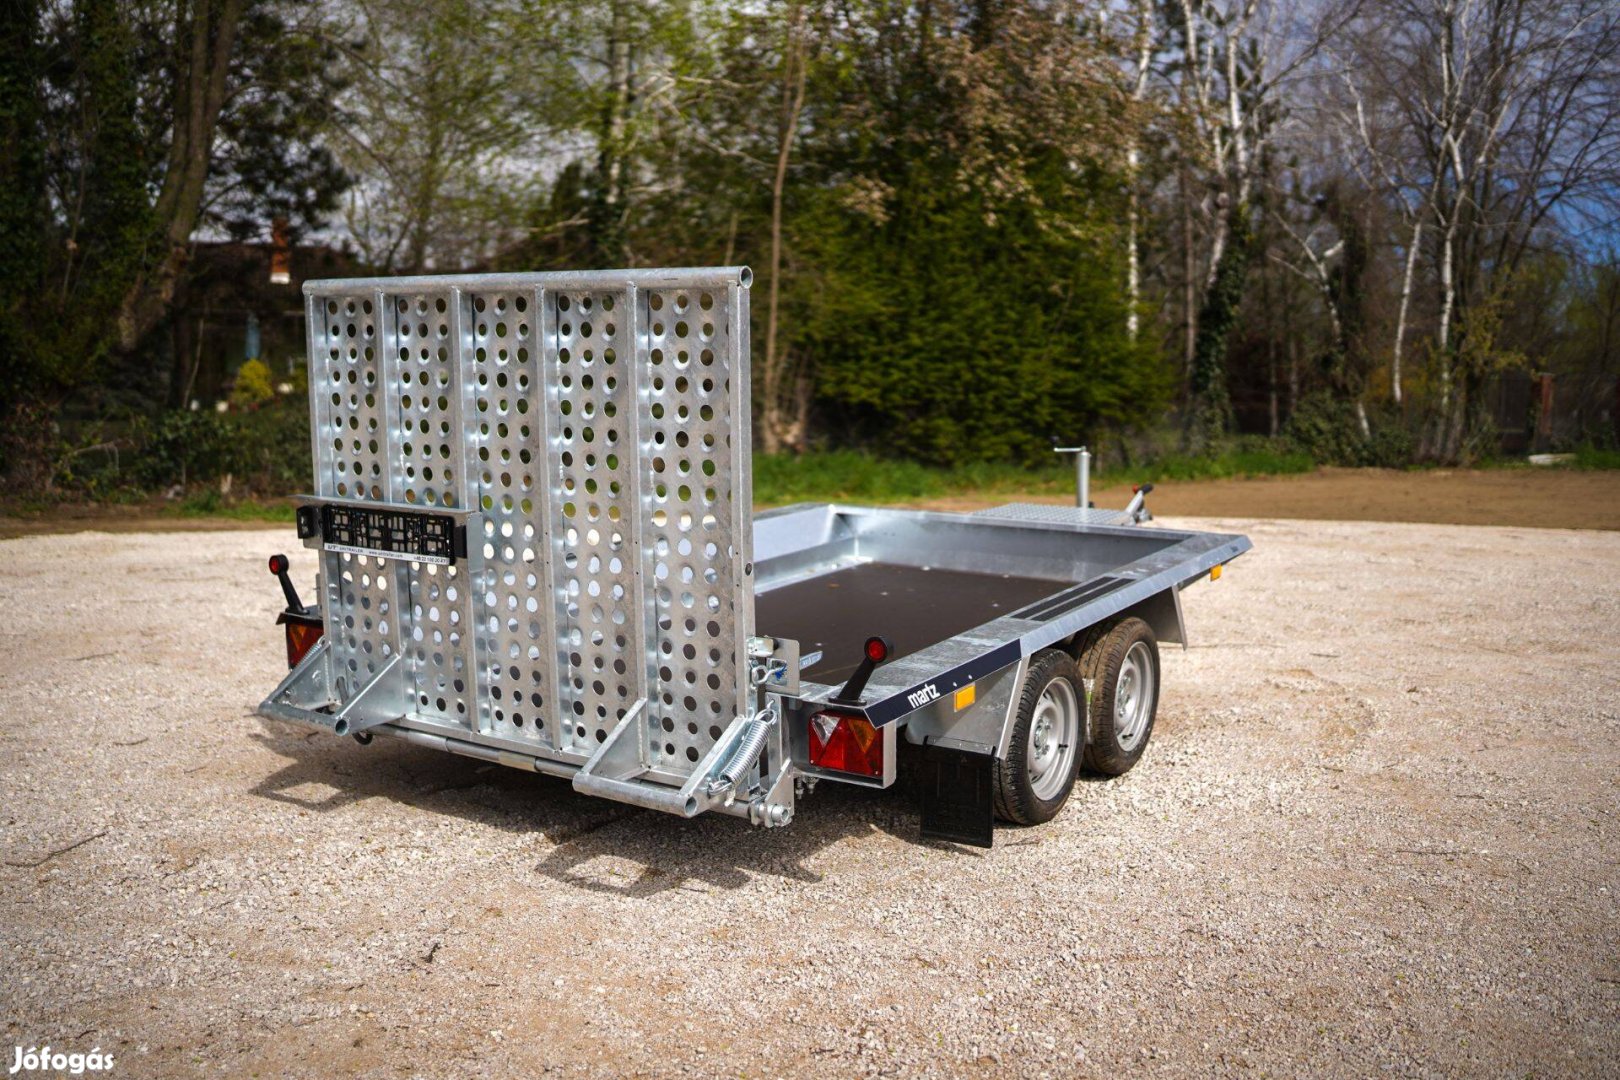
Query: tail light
[
  {"x": 303, "y": 631},
  {"x": 303, "y": 624},
  {"x": 845, "y": 742}
]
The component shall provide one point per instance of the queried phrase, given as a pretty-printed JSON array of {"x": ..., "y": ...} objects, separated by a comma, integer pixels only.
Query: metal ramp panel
[{"x": 592, "y": 431}]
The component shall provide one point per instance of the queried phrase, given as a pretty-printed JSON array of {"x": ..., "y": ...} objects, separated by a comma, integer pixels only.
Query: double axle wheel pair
[{"x": 1050, "y": 744}]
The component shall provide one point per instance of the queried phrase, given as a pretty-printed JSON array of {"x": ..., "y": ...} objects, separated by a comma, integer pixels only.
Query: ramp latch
[{"x": 747, "y": 753}]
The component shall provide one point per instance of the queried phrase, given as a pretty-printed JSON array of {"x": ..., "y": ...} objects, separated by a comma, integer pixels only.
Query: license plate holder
[{"x": 385, "y": 532}]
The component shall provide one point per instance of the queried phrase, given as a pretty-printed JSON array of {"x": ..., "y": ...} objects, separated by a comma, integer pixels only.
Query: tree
[
  {"x": 1494, "y": 126},
  {"x": 133, "y": 125},
  {"x": 1230, "y": 64},
  {"x": 967, "y": 299},
  {"x": 779, "y": 431},
  {"x": 435, "y": 131}
]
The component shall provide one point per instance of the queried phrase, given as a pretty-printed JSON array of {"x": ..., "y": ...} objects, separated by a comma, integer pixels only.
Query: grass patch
[
  {"x": 1590, "y": 457},
  {"x": 209, "y": 504},
  {"x": 848, "y": 475},
  {"x": 1254, "y": 461},
  {"x": 853, "y": 476}
]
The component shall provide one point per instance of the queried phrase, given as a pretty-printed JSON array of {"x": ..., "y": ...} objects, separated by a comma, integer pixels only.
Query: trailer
[{"x": 535, "y": 545}]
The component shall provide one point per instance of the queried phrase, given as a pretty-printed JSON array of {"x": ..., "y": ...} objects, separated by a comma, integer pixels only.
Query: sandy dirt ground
[{"x": 1377, "y": 830}]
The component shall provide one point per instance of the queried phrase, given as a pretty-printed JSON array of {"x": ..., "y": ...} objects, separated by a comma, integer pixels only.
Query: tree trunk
[
  {"x": 608, "y": 225},
  {"x": 1189, "y": 287},
  {"x": 1406, "y": 303},
  {"x": 180, "y": 337},
  {"x": 1133, "y": 264},
  {"x": 776, "y": 431},
  {"x": 1273, "y": 423},
  {"x": 1210, "y": 410},
  {"x": 1133, "y": 161},
  {"x": 179, "y": 203}
]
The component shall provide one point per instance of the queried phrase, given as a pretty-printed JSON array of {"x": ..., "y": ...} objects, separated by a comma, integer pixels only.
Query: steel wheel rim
[
  {"x": 1133, "y": 697},
  {"x": 1054, "y": 730}
]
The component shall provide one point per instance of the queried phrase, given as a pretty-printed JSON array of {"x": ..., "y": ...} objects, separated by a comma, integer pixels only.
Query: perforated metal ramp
[{"x": 592, "y": 430}]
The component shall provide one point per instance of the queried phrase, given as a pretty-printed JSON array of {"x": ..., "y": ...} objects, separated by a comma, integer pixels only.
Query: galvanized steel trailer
[{"x": 533, "y": 526}]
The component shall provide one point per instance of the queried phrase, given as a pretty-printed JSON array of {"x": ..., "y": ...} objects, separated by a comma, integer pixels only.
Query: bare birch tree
[
  {"x": 1492, "y": 125},
  {"x": 1231, "y": 65}
]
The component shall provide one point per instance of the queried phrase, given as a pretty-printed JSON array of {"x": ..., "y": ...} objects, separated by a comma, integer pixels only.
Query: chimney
[{"x": 280, "y": 253}]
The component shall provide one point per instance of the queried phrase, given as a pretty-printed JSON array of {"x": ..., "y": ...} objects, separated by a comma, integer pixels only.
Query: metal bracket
[
  {"x": 306, "y": 689},
  {"x": 305, "y": 697},
  {"x": 371, "y": 706},
  {"x": 775, "y": 664},
  {"x": 615, "y": 771}
]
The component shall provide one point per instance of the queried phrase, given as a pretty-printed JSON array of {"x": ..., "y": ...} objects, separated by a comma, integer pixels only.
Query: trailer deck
[{"x": 915, "y": 607}]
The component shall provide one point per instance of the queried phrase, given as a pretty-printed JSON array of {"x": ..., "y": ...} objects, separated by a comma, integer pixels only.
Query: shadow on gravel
[{"x": 592, "y": 839}]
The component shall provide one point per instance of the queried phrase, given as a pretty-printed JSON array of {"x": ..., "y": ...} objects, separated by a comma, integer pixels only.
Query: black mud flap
[{"x": 958, "y": 803}]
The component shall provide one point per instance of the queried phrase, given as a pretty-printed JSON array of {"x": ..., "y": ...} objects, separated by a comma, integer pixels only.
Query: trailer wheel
[
  {"x": 1123, "y": 665},
  {"x": 1034, "y": 780}
]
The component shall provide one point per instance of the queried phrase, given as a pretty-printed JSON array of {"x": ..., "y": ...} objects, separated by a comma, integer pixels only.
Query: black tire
[
  {"x": 1113, "y": 748},
  {"x": 1015, "y": 795}
]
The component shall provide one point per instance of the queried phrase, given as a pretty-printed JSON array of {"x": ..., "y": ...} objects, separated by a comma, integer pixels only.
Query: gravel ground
[{"x": 1376, "y": 832}]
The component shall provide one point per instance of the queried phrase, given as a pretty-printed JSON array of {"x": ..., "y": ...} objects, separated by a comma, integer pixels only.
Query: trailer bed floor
[{"x": 913, "y": 607}]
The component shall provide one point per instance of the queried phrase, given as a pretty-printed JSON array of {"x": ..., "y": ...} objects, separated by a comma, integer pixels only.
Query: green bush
[
  {"x": 184, "y": 448},
  {"x": 265, "y": 451},
  {"x": 1325, "y": 429},
  {"x": 254, "y": 385},
  {"x": 272, "y": 448},
  {"x": 1391, "y": 445}
]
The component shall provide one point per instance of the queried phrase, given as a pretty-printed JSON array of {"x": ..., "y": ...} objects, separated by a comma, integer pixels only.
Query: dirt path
[
  {"x": 1547, "y": 498},
  {"x": 1377, "y": 831}
]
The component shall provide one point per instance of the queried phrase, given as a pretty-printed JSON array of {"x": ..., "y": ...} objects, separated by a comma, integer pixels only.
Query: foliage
[
  {"x": 1325, "y": 429},
  {"x": 209, "y": 503},
  {"x": 254, "y": 385},
  {"x": 132, "y": 125},
  {"x": 921, "y": 360},
  {"x": 185, "y": 447},
  {"x": 1588, "y": 456},
  {"x": 1242, "y": 458},
  {"x": 265, "y": 450},
  {"x": 1209, "y": 407},
  {"x": 965, "y": 304},
  {"x": 438, "y": 98},
  {"x": 975, "y": 225}
]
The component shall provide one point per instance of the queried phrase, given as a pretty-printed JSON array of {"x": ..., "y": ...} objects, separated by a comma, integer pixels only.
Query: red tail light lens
[
  {"x": 844, "y": 742},
  {"x": 301, "y": 637}
]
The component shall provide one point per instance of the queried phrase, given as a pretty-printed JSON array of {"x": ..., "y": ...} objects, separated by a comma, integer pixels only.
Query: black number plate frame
[{"x": 385, "y": 532}]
